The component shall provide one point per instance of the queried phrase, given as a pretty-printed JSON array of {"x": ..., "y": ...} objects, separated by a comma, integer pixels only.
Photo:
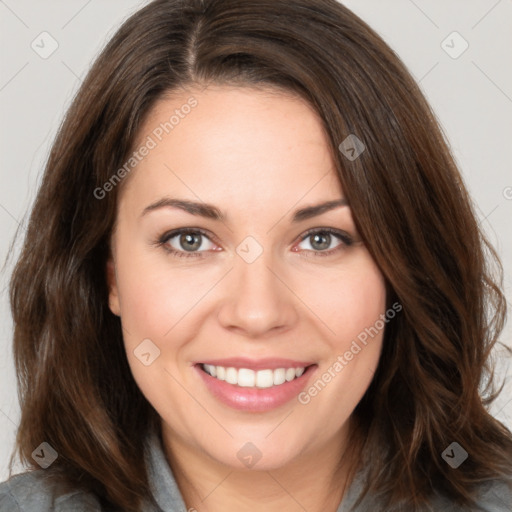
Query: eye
[
  {"x": 321, "y": 240},
  {"x": 186, "y": 242},
  {"x": 193, "y": 242}
]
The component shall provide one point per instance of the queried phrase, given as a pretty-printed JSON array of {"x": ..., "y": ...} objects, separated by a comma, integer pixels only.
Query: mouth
[
  {"x": 255, "y": 386},
  {"x": 248, "y": 378}
]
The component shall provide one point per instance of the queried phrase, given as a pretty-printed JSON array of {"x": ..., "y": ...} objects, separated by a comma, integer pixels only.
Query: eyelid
[
  {"x": 340, "y": 233},
  {"x": 165, "y": 237},
  {"x": 345, "y": 239}
]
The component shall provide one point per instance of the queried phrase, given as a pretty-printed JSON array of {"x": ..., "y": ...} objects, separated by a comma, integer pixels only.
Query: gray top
[{"x": 28, "y": 492}]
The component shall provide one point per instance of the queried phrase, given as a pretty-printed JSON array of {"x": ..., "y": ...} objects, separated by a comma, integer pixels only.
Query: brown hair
[{"x": 408, "y": 201}]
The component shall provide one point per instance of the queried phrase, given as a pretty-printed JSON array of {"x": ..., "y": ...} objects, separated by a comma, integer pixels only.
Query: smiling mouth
[{"x": 259, "y": 379}]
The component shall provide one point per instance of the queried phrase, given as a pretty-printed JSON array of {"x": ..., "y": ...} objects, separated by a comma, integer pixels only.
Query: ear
[{"x": 113, "y": 293}]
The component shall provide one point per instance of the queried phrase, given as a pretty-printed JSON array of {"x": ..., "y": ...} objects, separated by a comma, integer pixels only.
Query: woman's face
[{"x": 262, "y": 288}]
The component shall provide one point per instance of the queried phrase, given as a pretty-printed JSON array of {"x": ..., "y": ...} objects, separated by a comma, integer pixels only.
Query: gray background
[{"x": 471, "y": 95}]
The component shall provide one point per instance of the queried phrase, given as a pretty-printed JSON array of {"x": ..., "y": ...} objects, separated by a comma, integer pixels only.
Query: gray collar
[{"x": 164, "y": 487}]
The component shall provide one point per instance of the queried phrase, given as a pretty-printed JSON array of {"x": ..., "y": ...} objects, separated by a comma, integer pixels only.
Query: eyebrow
[{"x": 212, "y": 212}]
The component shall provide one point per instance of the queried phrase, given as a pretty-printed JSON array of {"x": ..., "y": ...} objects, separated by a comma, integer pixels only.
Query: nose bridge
[
  {"x": 256, "y": 277},
  {"x": 257, "y": 300}
]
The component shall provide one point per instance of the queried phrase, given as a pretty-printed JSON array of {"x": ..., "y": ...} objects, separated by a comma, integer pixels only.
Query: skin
[{"x": 258, "y": 155}]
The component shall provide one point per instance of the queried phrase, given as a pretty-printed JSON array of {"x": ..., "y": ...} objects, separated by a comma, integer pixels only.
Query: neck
[{"x": 315, "y": 481}]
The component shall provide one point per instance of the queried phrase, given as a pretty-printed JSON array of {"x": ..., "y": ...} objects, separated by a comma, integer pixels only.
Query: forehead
[{"x": 233, "y": 143}]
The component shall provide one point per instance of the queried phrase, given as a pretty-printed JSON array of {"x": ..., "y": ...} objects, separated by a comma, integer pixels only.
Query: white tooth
[
  {"x": 279, "y": 376},
  {"x": 265, "y": 378},
  {"x": 290, "y": 374},
  {"x": 221, "y": 372},
  {"x": 231, "y": 375},
  {"x": 210, "y": 369},
  {"x": 246, "y": 378}
]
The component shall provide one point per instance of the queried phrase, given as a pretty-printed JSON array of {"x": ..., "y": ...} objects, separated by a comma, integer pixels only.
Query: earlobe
[{"x": 113, "y": 295}]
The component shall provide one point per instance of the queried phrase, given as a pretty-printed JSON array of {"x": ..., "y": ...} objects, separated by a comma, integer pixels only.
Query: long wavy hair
[{"x": 433, "y": 383}]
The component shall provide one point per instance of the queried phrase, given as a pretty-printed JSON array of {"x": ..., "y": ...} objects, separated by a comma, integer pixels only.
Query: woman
[{"x": 253, "y": 280}]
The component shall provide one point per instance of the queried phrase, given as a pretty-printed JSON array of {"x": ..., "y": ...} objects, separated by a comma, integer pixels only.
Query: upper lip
[{"x": 257, "y": 364}]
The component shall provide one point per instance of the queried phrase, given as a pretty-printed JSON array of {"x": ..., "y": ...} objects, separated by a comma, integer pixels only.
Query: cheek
[
  {"x": 153, "y": 301},
  {"x": 356, "y": 304},
  {"x": 154, "y": 297},
  {"x": 348, "y": 302}
]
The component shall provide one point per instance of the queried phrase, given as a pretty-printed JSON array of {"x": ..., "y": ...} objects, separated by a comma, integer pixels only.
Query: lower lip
[{"x": 255, "y": 399}]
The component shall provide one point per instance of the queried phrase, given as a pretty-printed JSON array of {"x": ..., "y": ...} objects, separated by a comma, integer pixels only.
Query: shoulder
[
  {"x": 31, "y": 491},
  {"x": 492, "y": 496},
  {"x": 495, "y": 496}
]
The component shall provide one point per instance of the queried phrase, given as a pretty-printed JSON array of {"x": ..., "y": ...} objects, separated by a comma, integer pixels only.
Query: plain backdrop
[{"x": 466, "y": 77}]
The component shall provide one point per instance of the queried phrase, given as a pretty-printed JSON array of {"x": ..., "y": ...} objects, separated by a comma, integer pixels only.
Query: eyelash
[{"x": 346, "y": 240}]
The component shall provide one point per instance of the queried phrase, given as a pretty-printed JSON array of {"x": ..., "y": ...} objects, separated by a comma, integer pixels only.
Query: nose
[{"x": 257, "y": 299}]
